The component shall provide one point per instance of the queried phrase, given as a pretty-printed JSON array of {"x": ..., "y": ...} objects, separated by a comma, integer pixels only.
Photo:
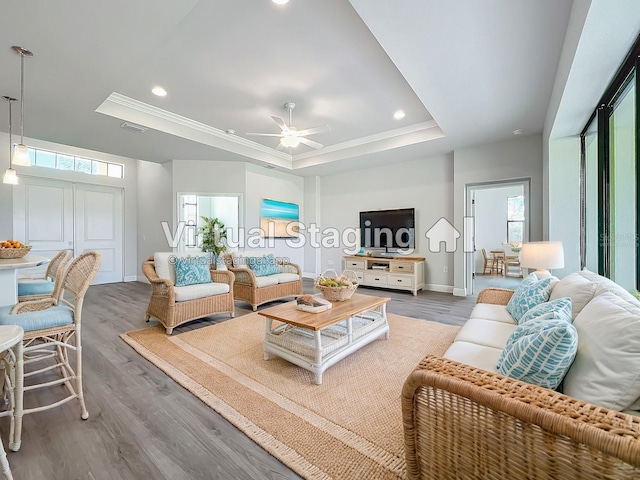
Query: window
[
  {"x": 610, "y": 203},
  {"x": 515, "y": 219},
  {"x": 62, "y": 161}
]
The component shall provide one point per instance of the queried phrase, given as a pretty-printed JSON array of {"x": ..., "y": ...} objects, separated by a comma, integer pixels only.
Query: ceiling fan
[{"x": 290, "y": 136}]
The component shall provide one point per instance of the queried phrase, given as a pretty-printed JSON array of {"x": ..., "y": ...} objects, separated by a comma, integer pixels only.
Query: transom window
[{"x": 63, "y": 161}]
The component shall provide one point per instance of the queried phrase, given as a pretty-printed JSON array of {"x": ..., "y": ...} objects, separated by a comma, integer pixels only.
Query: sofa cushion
[
  {"x": 530, "y": 293},
  {"x": 479, "y": 356},
  {"x": 486, "y": 332},
  {"x": 267, "y": 281},
  {"x": 540, "y": 352},
  {"x": 606, "y": 370},
  {"x": 489, "y": 311},
  {"x": 558, "y": 308},
  {"x": 202, "y": 290},
  {"x": 577, "y": 287},
  {"x": 605, "y": 284},
  {"x": 263, "y": 266},
  {"x": 192, "y": 271},
  {"x": 286, "y": 277}
]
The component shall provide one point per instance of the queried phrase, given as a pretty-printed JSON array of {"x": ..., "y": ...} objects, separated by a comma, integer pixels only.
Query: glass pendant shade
[
  {"x": 292, "y": 142},
  {"x": 10, "y": 177},
  {"x": 21, "y": 155}
]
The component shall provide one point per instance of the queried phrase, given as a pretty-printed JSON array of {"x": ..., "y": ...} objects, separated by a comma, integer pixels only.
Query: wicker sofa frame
[
  {"x": 170, "y": 313},
  {"x": 461, "y": 422},
  {"x": 246, "y": 289}
]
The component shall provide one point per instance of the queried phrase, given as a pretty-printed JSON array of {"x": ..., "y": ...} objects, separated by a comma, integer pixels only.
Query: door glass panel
[
  {"x": 623, "y": 242},
  {"x": 591, "y": 197}
]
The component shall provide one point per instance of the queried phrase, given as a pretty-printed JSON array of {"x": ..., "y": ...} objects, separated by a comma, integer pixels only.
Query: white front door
[
  {"x": 43, "y": 217},
  {"x": 46, "y": 213},
  {"x": 99, "y": 228}
]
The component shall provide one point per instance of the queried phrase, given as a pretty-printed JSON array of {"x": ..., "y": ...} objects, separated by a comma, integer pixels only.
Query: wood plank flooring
[{"x": 142, "y": 425}]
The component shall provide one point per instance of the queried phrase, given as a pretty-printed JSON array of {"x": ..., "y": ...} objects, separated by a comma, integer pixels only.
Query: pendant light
[
  {"x": 10, "y": 176},
  {"x": 21, "y": 155}
]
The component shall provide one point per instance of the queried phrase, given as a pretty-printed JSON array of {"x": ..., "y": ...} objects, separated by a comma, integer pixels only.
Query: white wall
[
  {"x": 491, "y": 220},
  {"x": 128, "y": 184},
  {"x": 424, "y": 184},
  {"x": 517, "y": 158},
  {"x": 275, "y": 185},
  {"x": 312, "y": 215},
  {"x": 155, "y": 205}
]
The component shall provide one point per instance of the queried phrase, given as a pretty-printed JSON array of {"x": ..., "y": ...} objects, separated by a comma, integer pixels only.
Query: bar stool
[{"x": 12, "y": 356}]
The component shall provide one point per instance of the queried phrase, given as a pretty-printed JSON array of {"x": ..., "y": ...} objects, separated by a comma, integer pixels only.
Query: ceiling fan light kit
[{"x": 290, "y": 136}]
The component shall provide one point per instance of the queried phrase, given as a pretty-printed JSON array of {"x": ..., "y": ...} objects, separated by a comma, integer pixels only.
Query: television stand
[{"x": 387, "y": 271}]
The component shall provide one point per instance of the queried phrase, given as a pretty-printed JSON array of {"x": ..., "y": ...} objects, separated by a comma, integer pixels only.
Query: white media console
[{"x": 398, "y": 273}]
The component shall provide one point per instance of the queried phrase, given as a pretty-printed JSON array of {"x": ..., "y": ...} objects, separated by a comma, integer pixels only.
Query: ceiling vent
[{"x": 132, "y": 127}]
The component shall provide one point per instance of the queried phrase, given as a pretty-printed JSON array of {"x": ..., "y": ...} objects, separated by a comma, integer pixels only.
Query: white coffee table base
[{"x": 317, "y": 350}]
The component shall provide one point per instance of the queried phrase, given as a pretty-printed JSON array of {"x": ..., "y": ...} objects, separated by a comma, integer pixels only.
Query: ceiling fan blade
[
  {"x": 310, "y": 143},
  {"x": 311, "y": 131},
  {"x": 266, "y": 134},
  {"x": 282, "y": 148},
  {"x": 281, "y": 123}
]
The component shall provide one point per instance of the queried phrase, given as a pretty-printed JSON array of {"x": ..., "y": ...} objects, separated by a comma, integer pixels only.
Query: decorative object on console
[
  {"x": 10, "y": 177},
  {"x": 279, "y": 219},
  {"x": 21, "y": 156},
  {"x": 543, "y": 256}
]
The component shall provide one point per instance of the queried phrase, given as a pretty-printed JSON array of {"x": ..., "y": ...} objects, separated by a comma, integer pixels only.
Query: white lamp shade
[
  {"x": 542, "y": 255},
  {"x": 21, "y": 155},
  {"x": 10, "y": 177},
  {"x": 292, "y": 142}
]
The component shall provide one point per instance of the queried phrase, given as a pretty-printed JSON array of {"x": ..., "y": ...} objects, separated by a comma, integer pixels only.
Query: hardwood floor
[{"x": 142, "y": 425}]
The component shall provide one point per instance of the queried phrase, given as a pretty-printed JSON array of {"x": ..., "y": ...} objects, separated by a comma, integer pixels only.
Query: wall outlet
[{"x": 445, "y": 269}]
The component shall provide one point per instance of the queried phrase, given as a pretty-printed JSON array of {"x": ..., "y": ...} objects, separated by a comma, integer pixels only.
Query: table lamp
[{"x": 543, "y": 256}]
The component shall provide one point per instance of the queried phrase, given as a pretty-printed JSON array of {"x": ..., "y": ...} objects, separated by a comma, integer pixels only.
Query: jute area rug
[{"x": 350, "y": 427}]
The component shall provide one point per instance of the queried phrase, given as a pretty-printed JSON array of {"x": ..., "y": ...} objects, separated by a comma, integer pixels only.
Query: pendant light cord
[{"x": 21, "y": 98}]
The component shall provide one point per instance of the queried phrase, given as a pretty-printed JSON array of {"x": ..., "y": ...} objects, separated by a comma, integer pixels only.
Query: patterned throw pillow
[
  {"x": 192, "y": 270},
  {"x": 530, "y": 293},
  {"x": 540, "y": 352},
  {"x": 263, "y": 266},
  {"x": 558, "y": 308}
]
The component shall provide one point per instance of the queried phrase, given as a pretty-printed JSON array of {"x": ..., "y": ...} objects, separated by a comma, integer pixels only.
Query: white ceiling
[{"x": 464, "y": 71}]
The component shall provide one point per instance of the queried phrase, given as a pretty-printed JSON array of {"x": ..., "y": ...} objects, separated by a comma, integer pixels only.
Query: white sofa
[{"x": 606, "y": 370}]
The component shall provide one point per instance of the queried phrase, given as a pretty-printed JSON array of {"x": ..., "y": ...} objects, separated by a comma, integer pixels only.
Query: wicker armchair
[
  {"x": 171, "y": 313},
  {"x": 461, "y": 422},
  {"x": 247, "y": 286}
]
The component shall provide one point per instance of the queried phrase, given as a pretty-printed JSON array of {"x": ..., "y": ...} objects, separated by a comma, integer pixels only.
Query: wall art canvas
[{"x": 279, "y": 219}]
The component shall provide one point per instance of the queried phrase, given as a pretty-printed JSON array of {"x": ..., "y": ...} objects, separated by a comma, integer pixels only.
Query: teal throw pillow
[
  {"x": 263, "y": 266},
  {"x": 192, "y": 271},
  {"x": 540, "y": 352},
  {"x": 530, "y": 293},
  {"x": 558, "y": 308}
]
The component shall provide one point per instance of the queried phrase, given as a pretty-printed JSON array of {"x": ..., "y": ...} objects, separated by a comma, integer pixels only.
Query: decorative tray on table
[{"x": 312, "y": 303}]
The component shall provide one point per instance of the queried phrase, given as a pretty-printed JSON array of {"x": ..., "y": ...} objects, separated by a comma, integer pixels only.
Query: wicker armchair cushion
[
  {"x": 37, "y": 320},
  {"x": 286, "y": 277},
  {"x": 201, "y": 290},
  {"x": 606, "y": 370},
  {"x": 192, "y": 271},
  {"x": 530, "y": 293},
  {"x": 33, "y": 286},
  {"x": 264, "y": 265},
  {"x": 164, "y": 263},
  {"x": 540, "y": 351},
  {"x": 266, "y": 281}
]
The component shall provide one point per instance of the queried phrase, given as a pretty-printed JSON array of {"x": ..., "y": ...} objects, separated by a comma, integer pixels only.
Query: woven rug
[{"x": 349, "y": 427}]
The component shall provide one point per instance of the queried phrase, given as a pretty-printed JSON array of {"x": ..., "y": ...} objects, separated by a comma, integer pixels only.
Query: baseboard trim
[
  {"x": 131, "y": 278},
  {"x": 309, "y": 275},
  {"x": 459, "y": 292},
  {"x": 434, "y": 287}
]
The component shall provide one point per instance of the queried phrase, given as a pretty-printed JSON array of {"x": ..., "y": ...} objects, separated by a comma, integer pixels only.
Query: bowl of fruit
[
  {"x": 13, "y": 249},
  {"x": 337, "y": 288}
]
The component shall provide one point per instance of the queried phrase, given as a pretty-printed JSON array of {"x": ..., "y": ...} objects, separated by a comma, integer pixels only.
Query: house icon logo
[{"x": 442, "y": 232}]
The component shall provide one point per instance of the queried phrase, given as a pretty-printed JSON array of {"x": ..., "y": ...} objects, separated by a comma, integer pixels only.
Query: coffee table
[{"x": 315, "y": 341}]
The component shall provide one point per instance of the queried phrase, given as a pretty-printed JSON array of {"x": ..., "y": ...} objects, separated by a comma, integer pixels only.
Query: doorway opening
[{"x": 500, "y": 218}]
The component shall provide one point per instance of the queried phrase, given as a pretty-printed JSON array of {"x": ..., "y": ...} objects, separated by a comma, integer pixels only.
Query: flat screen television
[{"x": 388, "y": 229}]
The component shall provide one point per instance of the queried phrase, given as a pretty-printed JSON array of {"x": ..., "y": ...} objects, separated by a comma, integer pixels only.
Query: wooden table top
[{"x": 288, "y": 313}]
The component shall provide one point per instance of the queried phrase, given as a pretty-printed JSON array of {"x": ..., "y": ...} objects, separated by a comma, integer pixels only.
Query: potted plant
[{"x": 213, "y": 233}]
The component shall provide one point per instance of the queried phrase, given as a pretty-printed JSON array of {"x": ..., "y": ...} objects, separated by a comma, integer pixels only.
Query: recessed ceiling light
[
  {"x": 399, "y": 114},
  {"x": 280, "y": 2},
  {"x": 159, "y": 91}
]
